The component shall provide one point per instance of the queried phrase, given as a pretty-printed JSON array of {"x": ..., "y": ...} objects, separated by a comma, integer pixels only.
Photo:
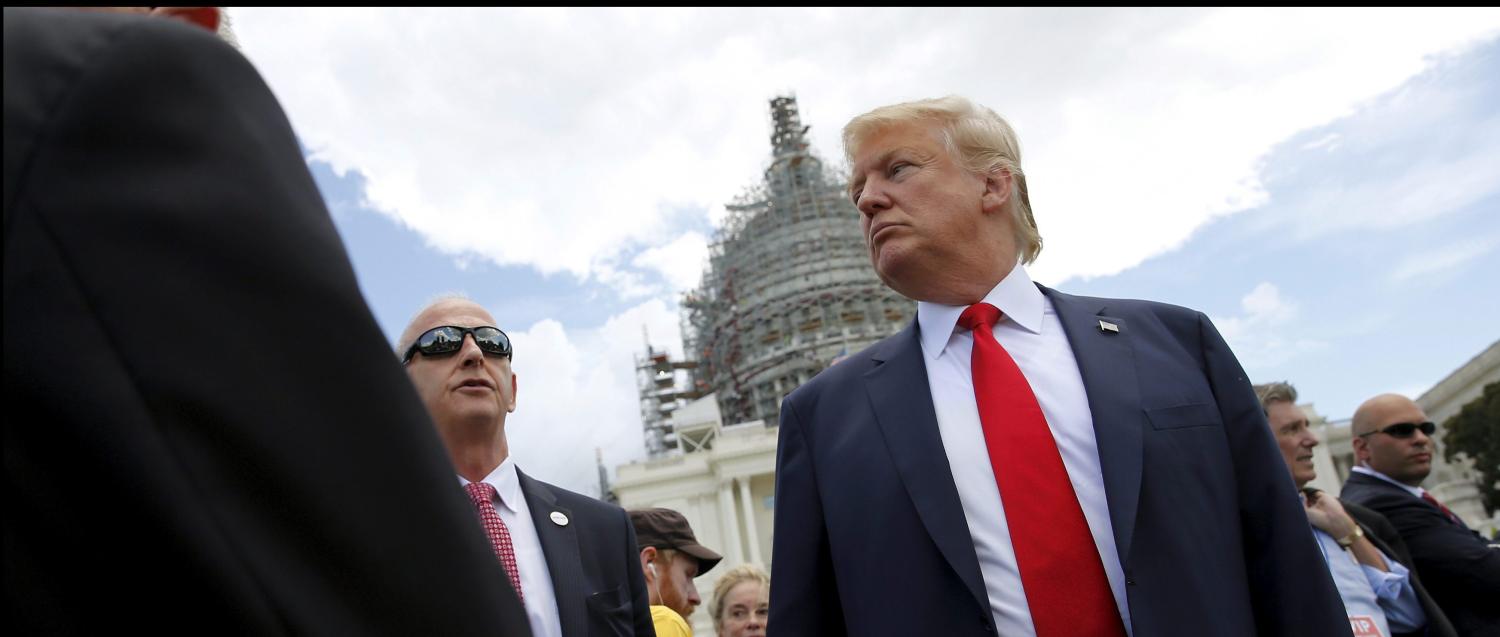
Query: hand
[{"x": 1325, "y": 513}]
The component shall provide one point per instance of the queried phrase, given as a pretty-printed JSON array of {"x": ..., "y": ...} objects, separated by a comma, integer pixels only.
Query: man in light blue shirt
[{"x": 1380, "y": 594}]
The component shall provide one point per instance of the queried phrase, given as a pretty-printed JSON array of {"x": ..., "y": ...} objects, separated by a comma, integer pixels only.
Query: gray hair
[
  {"x": 976, "y": 136},
  {"x": 1275, "y": 392}
]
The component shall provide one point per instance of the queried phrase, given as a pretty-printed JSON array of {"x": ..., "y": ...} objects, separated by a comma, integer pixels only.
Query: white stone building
[{"x": 724, "y": 484}]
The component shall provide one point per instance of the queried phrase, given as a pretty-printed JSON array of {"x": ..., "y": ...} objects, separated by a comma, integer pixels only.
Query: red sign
[{"x": 1364, "y": 626}]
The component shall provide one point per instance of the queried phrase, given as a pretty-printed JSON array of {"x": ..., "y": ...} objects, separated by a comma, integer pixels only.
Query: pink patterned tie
[
  {"x": 1446, "y": 513},
  {"x": 483, "y": 496}
]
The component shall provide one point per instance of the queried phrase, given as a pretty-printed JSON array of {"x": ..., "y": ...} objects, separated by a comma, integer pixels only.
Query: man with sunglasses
[
  {"x": 571, "y": 559},
  {"x": 1393, "y": 453},
  {"x": 1361, "y": 550}
]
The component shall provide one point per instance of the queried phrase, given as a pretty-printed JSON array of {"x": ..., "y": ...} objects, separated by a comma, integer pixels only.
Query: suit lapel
[
  {"x": 903, "y": 408},
  {"x": 560, "y": 548},
  {"x": 1106, "y": 361}
]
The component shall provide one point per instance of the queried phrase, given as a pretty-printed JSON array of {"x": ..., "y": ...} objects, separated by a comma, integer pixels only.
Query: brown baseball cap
[{"x": 667, "y": 529}]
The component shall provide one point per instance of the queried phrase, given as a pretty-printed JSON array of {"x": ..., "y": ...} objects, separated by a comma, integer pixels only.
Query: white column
[
  {"x": 731, "y": 526},
  {"x": 750, "y": 525}
]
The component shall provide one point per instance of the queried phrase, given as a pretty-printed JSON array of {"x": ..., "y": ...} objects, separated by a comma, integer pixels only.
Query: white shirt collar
[
  {"x": 1018, "y": 299},
  {"x": 1416, "y": 491},
  {"x": 504, "y": 479}
]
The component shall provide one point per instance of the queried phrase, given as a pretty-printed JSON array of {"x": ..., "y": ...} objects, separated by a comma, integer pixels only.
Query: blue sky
[
  {"x": 1377, "y": 255},
  {"x": 1331, "y": 202}
]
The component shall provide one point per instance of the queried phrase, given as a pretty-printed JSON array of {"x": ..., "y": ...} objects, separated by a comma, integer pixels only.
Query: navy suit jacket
[
  {"x": 594, "y": 562},
  {"x": 1461, "y": 569},
  {"x": 186, "y": 449},
  {"x": 871, "y": 538}
]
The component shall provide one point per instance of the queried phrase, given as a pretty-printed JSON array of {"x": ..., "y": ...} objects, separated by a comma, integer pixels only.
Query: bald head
[
  {"x": 441, "y": 306},
  {"x": 1374, "y": 411},
  {"x": 1406, "y": 459},
  {"x": 467, "y": 391}
]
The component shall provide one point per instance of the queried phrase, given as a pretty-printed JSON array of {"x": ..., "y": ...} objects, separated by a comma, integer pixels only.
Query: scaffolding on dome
[{"x": 788, "y": 289}]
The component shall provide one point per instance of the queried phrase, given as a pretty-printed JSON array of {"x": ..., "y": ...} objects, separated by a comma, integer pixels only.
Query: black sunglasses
[
  {"x": 447, "y": 339},
  {"x": 1404, "y": 429}
]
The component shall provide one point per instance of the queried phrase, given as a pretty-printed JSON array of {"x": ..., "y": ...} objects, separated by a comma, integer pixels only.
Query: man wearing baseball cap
[{"x": 671, "y": 557}]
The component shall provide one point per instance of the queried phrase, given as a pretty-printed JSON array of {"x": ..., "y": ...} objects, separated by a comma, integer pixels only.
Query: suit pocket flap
[
  {"x": 1189, "y": 415},
  {"x": 610, "y": 612},
  {"x": 610, "y": 601}
]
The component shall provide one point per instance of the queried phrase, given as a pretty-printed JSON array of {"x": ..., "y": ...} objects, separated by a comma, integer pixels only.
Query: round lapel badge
[{"x": 559, "y": 519}]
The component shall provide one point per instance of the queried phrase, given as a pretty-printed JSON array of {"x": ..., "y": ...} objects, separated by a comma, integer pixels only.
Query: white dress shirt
[
  {"x": 536, "y": 579},
  {"x": 1383, "y": 598},
  {"x": 1032, "y": 334}
]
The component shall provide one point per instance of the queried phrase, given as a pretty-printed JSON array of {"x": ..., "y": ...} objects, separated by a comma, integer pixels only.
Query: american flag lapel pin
[{"x": 1106, "y": 326}]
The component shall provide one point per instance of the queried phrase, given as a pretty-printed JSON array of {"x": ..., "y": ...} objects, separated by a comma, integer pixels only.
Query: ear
[
  {"x": 648, "y": 555},
  {"x": 206, "y": 17},
  {"x": 1359, "y": 449},
  {"x": 998, "y": 185},
  {"x": 511, "y": 408}
]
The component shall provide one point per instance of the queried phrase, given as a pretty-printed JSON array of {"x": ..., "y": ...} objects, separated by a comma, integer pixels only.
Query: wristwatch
[{"x": 1348, "y": 540}]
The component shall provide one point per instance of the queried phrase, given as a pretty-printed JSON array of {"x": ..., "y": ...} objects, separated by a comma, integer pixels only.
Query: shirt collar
[
  {"x": 1416, "y": 491},
  {"x": 1016, "y": 296},
  {"x": 504, "y": 479}
]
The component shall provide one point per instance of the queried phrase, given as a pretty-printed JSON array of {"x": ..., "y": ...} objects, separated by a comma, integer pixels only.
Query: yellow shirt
[{"x": 669, "y": 623}]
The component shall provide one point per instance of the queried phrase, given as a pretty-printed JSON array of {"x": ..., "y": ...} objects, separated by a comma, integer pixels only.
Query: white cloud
[
  {"x": 1260, "y": 337},
  {"x": 626, "y": 285},
  {"x": 1329, "y": 142},
  {"x": 1440, "y": 261},
  {"x": 1176, "y": 136},
  {"x": 1263, "y": 306},
  {"x": 680, "y": 262},
  {"x": 559, "y": 138},
  {"x": 576, "y": 392},
  {"x": 1446, "y": 170}
]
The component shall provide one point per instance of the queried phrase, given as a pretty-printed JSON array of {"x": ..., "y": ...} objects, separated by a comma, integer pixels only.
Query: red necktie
[
  {"x": 1061, "y": 573},
  {"x": 483, "y": 496},
  {"x": 1446, "y": 513}
]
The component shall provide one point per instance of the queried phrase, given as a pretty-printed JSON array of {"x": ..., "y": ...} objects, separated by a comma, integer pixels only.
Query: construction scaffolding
[
  {"x": 789, "y": 288},
  {"x": 665, "y": 386}
]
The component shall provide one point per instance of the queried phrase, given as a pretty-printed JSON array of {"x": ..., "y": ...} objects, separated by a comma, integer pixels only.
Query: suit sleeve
[
  {"x": 219, "y": 385},
  {"x": 1444, "y": 552},
  {"x": 804, "y": 589},
  {"x": 1290, "y": 591},
  {"x": 640, "y": 598}
]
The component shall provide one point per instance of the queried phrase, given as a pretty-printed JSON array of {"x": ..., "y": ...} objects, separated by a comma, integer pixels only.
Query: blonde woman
[{"x": 741, "y": 602}]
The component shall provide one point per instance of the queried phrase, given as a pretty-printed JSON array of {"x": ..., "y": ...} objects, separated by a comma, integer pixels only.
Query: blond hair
[
  {"x": 979, "y": 139},
  {"x": 736, "y": 576}
]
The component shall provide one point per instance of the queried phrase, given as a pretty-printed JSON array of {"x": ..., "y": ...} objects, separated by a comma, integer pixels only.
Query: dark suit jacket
[
  {"x": 1385, "y": 537},
  {"x": 205, "y": 431},
  {"x": 1460, "y": 568},
  {"x": 871, "y": 539},
  {"x": 594, "y": 561}
]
